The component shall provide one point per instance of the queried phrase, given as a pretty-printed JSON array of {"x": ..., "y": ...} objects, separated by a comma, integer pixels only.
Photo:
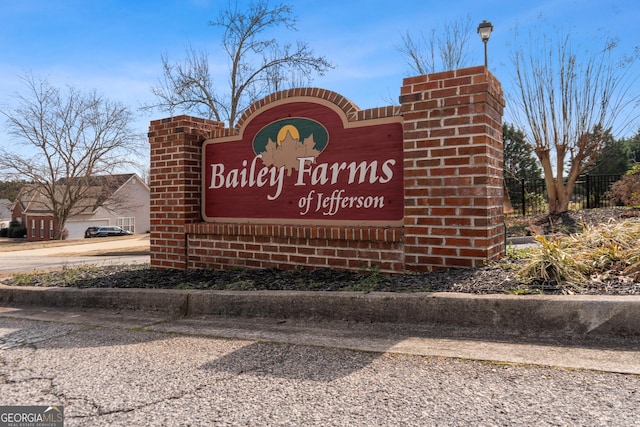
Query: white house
[
  {"x": 5, "y": 212},
  {"x": 124, "y": 203},
  {"x": 127, "y": 207}
]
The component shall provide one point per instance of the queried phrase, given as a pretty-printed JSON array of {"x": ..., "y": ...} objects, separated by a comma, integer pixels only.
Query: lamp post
[{"x": 484, "y": 29}]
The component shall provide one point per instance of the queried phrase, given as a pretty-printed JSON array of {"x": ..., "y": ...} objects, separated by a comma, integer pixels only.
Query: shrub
[
  {"x": 536, "y": 202},
  {"x": 627, "y": 190},
  {"x": 569, "y": 261},
  {"x": 17, "y": 232},
  {"x": 552, "y": 262},
  {"x": 4, "y": 232}
]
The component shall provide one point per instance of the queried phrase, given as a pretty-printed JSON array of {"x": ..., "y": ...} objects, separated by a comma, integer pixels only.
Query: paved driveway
[{"x": 28, "y": 257}]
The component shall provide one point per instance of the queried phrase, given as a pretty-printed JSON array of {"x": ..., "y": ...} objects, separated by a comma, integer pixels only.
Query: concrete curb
[
  {"x": 576, "y": 315},
  {"x": 524, "y": 240},
  {"x": 167, "y": 301}
]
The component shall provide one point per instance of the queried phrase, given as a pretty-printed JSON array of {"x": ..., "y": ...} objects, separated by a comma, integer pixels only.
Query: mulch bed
[{"x": 498, "y": 278}]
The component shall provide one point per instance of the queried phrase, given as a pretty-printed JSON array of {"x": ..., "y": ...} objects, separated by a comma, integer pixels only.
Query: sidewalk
[
  {"x": 607, "y": 355},
  {"x": 581, "y": 332}
]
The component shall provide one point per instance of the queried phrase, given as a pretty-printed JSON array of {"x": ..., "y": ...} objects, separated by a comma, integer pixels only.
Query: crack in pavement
[{"x": 105, "y": 413}]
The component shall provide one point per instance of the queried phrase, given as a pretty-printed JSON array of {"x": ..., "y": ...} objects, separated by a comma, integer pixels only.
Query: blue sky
[{"x": 114, "y": 46}]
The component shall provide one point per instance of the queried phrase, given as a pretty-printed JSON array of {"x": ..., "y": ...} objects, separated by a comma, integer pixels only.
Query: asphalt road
[
  {"x": 29, "y": 257},
  {"x": 136, "y": 369}
]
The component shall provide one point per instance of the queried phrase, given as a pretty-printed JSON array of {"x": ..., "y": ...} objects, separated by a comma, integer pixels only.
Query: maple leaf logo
[{"x": 288, "y": 149}]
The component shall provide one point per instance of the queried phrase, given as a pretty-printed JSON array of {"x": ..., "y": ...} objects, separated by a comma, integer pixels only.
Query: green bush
[
  {"x": 17, "y": 232},
  {"x": 4, "y": 232}
]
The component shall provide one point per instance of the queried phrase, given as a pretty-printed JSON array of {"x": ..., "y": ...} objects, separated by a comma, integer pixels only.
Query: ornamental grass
[{"x": 602, "y": 250}]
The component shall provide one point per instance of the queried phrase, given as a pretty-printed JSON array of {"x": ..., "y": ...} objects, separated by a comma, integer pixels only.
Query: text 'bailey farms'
[{"x": 308, "y": 173}]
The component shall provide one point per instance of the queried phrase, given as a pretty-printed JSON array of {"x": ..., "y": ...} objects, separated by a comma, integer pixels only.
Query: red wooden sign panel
[{"x": 300, "y": 161}]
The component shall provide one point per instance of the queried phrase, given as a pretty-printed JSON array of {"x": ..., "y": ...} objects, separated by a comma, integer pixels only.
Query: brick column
[
  {"x": 175, "y": 176},
  {"x": 453, "y": 169}
]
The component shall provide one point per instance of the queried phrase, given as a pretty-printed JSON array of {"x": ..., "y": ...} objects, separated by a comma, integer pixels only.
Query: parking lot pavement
[
  {"x": 30, "y": 257},
  {"x": 134, "y": 368}
]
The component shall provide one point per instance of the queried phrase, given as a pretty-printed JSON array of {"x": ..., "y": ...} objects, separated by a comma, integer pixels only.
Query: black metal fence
[{"x": 529, "y": 197}]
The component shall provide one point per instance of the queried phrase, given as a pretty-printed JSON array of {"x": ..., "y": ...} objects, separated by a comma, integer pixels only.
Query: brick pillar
[
  {"x": 175, "y": 176},
  {"x": 453, "y": 169}
]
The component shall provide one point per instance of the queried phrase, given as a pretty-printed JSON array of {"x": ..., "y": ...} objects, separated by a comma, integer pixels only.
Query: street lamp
[{"x": 484, "y": 29}]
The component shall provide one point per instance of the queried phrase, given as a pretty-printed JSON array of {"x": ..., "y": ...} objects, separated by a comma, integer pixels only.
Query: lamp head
[{"x": 484, "y": 29}]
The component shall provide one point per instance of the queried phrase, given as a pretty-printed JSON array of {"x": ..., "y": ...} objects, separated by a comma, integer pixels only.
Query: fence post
[
  {"x": 524, "y": 199},
  {"x": 587, "y": 185}
]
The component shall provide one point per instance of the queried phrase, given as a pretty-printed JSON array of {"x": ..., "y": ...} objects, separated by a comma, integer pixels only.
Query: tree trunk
[
  {"x": 557, "y": 195},
  {"x": 559, "y": 203}
]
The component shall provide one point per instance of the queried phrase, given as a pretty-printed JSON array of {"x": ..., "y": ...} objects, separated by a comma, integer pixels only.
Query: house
[
  {"x": 121, "y": 200},
  {"x": 5, "y": 213}
]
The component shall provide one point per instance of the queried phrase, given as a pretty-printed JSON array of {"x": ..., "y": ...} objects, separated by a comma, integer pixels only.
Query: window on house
[
  {"x": 127, "y": 223},
  {"x": 51, "y": 229},
  {"x": 33, "y": 228},
  {"x": 42, "y": 228}
]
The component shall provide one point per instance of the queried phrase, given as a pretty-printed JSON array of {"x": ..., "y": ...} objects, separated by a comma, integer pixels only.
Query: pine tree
[{"x": 519, "y": 161}]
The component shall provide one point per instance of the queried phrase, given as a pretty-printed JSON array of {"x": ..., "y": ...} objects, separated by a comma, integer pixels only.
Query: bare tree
[
  {"x": 441, "y": 49},
  {"x": 65, "y": 137},
  {"x": 258, "y": 65},
  {"x": 568, "y": 102}
]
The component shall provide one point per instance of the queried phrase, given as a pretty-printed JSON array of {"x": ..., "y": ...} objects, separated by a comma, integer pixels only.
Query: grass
[
  {"x": 550, "y": 262},
  {"x": 67, "y": 275},
  {"x": 597, "y": 251},
  {"x": 242, "y": 285},
  {"x": 140, "y": 329},
  {"x": 372, "y": 278}
]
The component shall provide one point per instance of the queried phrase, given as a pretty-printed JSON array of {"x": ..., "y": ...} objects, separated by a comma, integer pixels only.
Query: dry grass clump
[{"x": 599, "y": 251}]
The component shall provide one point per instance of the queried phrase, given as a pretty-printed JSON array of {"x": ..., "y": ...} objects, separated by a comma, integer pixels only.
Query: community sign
[{"x": 302, "y": 161}]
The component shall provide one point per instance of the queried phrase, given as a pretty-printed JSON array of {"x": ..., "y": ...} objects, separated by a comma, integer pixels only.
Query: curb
[
  {"x": 167, "y": 301},
  {"x": 575, "y": 315},
  {"x": 524, "y": 240}
]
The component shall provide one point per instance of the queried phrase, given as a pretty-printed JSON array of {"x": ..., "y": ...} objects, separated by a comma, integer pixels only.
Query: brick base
[
  {"x": 453, "y": 189},
  {"x": 222, "y": 246}
]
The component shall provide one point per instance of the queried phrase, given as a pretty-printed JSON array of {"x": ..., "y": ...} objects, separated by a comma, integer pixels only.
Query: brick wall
[
  {"x": 453, "y": 169},
  {"x": 286, "y": 246},
  {"x": 452, "y": 176},
  {"x": 175, "y": 185}
]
